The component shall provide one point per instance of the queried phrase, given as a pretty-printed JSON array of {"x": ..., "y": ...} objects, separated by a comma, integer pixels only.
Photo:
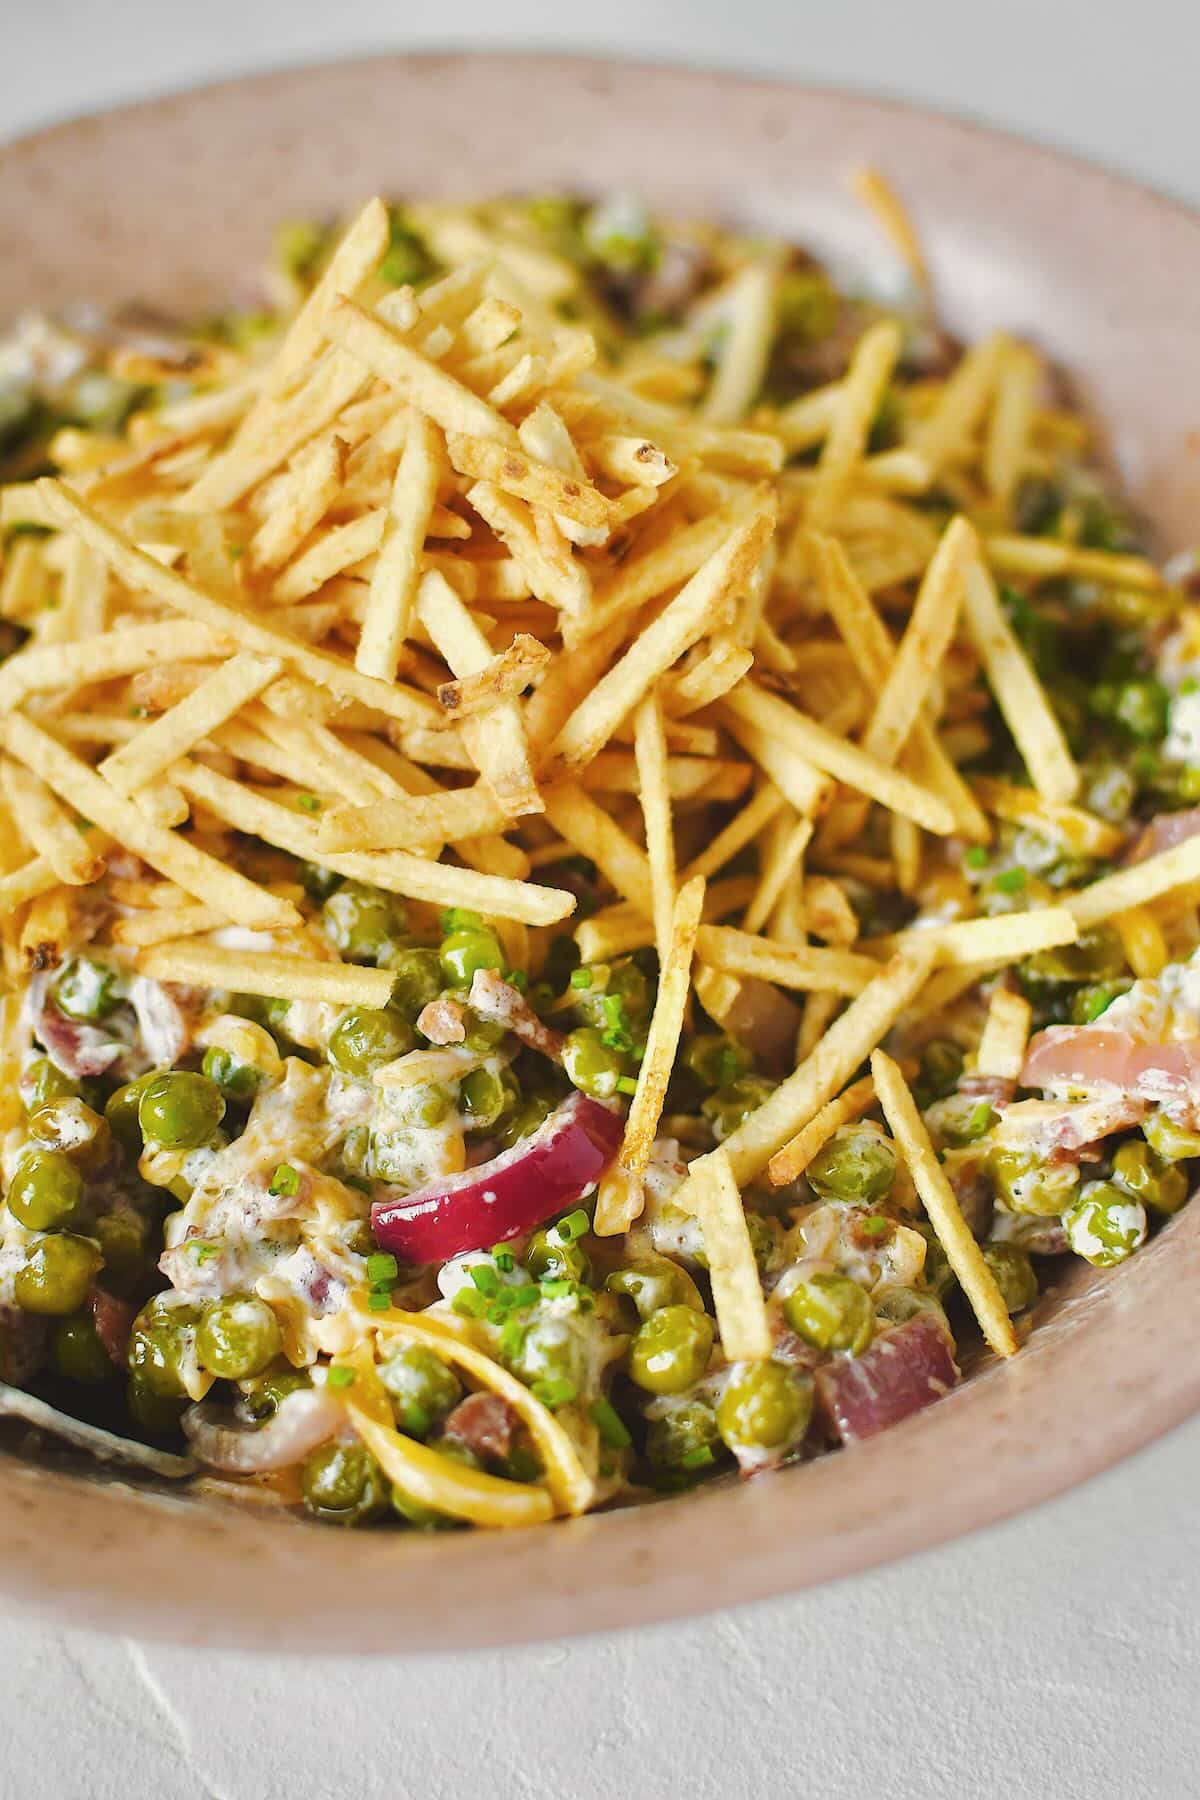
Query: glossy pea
[
  {"x": 57, "y": 1272},
  {"x": 362, "y": 922},
  {"x": 238, "y": 1081},
  {"x": 764, "y": 1406},
  {"x": 416, "y": 979},
  {"x": 1170, "y": 1140},
  {"x": 941, "y": 1066},
  {"x": 262, "y": 1396},
  {"x": 180, "y": 1110},
  {"x": 43, "y": 1081},
  {"x": 121, "y": 1112},
  {"x": 1028, "y": 1184},
  {"x": 77, "y": 1352},
  {"x": 590, "y": 1064},
  {"x": 858, "y": 1164},
  {"x": 161, "y": 1345},
  {"x": 653, "y": 1286},
  {"x": 86, "y": 990},
  {"x": 365, "y": 1038},
  {"x": 622, "y": 981},
  {"x": 464, "y": 952},
  {"x": 342, "y": 1484},
  {"x": 683, "y": 1435},
  {"x": 715, "y": 1059},
  {"x": 1105, "y": 1226},
  {"x": 832, "y": 1312},
  {"x": 1014, "y": 1274},
  {"x": 485, "y": 1095},
  {"x": 421, "y": 1387},
  {"x": 46, "y": 1190},
  {"x": 730, "y": 1106},
  {"x": 670, "y": 1351},
  {"x": 157, "y": 1415},
  {"x": 1150, "y": 1178},
  {"x": 127, "y": 1243},
  {"x": 72, "y": 1127},
  {"x": 534, "y": 1110},
  {"x": 238, "y": 1337},
  {"x": 550, "y": 1350},
  {"x": 1096, "y": 956},
  {"x": 897, "y": 1305}
]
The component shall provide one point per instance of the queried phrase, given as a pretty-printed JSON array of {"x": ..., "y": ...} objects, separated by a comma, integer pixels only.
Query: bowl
[{"x": 170, "y": 203}]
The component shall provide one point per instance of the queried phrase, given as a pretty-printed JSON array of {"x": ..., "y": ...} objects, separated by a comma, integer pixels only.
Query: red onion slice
[{"x": 537, "y": 1177}]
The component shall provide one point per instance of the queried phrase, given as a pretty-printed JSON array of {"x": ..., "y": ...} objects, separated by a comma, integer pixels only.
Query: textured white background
[{"x": 1056, "y": 1658}]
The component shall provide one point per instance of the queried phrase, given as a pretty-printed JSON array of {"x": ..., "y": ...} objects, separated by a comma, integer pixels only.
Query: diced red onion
[
  {"x": 904, "y": 1369},
  {"x": 537, "y": 1177}
]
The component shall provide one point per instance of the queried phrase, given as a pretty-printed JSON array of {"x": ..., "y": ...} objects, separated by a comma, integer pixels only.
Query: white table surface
[{"x": 1054, "y": 1658}]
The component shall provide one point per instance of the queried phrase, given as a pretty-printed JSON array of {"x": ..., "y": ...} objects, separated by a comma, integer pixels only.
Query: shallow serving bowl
[{"x": 172, "y": 203}]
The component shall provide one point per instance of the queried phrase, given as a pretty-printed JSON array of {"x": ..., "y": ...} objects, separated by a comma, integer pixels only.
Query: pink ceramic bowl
[{"x": 173, "y": 200}]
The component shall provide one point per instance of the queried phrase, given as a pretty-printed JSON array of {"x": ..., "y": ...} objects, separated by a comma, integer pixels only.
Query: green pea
[
  {"x": 858, "y": 1163},
  {"x": 832, "y": 1312},
  {"x": 362, "y": 922},
  {"x": 653, "y": 1286},
  {"x": 364, "y": 1039},
  {"x": 590, "y": 1064},
  {"x": 941, "y": 1066},
  {"x": 550, "y": 1349},
  {"x": 732, "y": 1104},
  {"x": 417, "y": 979},
  {"x": 1096, "y": 955},
  {"x": 1028, "y": 1184},
  {"x": 342, "y": 1484},
  {"x": 670, "y": 1351},
  {"x": 621, "y": 981},
  {"x": 237, "y": 1080},
  {"x": 262, "y": 1397},
  {"x": 46, "y": 1190},
  {"x": 1149, "y": 1178},
  {"x": 485, "y": 1095},
  {"x": 86, "y": 990},
  {"x": 897, "y": 1305},
  {"x": 319, "y": 882},
  {"x": 56, "y": 1274},
  {"x": 1014, "y": 1274},
  {"x": 70, "y": 1126},
  {"x": 155, "y": 1414},
  {"x": 1105, "y": 1226},
  {"x": 421, "y": 1387},
  {"x": 238, "y": 1336},
  {"x": 534, "y": 1111},
  {"x": 715, "y": 1059},
  {"x": 162, "y": 1344},
  {"x": 180, "y": 1110},
  {"x": 415, "y": 1512},
  {"x": 43, "y": 1081},
  {"x": 960, "y": 1119},
  {"x": 682, "y": 1436},
  {"x": 550, "y": 1257},
  {"x": 121, "y": 1111},
  {"x": 1168, "y": 1139},
  {"x": 1142, "y": 708},
  {"x": 128, "y": 1244},
  {"x": 465, "y": 951},
  {"x": 78, "y": 1353},
  {"x": 1090, "y": 1002},
  {"x": 765, "y": 1405},
  {"x": 483, "y": 1034}
]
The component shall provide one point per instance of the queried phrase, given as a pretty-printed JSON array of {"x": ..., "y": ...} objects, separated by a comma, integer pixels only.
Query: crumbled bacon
[
  {"x": 904, "y": 1370},
  {"x": 494, "y": 998},
  {"x": 114, "y": 1322},
  {"x": 443, "y": 1021},
  {"x": 485, "y": 1423}
]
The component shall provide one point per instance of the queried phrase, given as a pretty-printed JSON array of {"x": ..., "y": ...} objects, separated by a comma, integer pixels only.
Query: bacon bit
[
  {"x": 114, "y": 1322},
  {"x": 443, "y": 1021},
  {"x": 1063, "y": 1132},
  {"x": 997, "y": 1090},
  {"x": 904, "y": 1370},
  {"x": 494, "y": 998},
  {"x": 1096, "y": 1056},
  {"x": 485, "y": 1423}
]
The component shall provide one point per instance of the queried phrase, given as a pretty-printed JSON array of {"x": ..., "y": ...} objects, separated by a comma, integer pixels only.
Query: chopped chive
[
  {"x": 626, "y": 1084},
  {"x": 554, "y": 1391},
  {"x": 468, "y": 1303},
  {"x": 485, "y": 1278},
  {"x": 874, "y": 1227},
  {"x": 557, "y": 1287},
  {"x": 512, "y": 1339},
  {"x": 610, "y": 1425},
  {"x": 382, "y": 1266},
  {"x": 503, "y": 1260},
  {"x": 308, "y": 803},
  {"x": 699, "y": 1458},
  {"x": 576, "y": 1225},
  {"x": 976, "y": 857},
  {"x": 1010, "y": 881},
  {"x": 581, "y": 978},
  {"x": 379, "y": 1300},
  {"x": 339, "y": 1376},
  {"x": 285, "y": 1180}
]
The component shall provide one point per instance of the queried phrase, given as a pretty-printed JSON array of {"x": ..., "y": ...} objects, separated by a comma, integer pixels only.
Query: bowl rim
[{"x": 628, "y": 1542}]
